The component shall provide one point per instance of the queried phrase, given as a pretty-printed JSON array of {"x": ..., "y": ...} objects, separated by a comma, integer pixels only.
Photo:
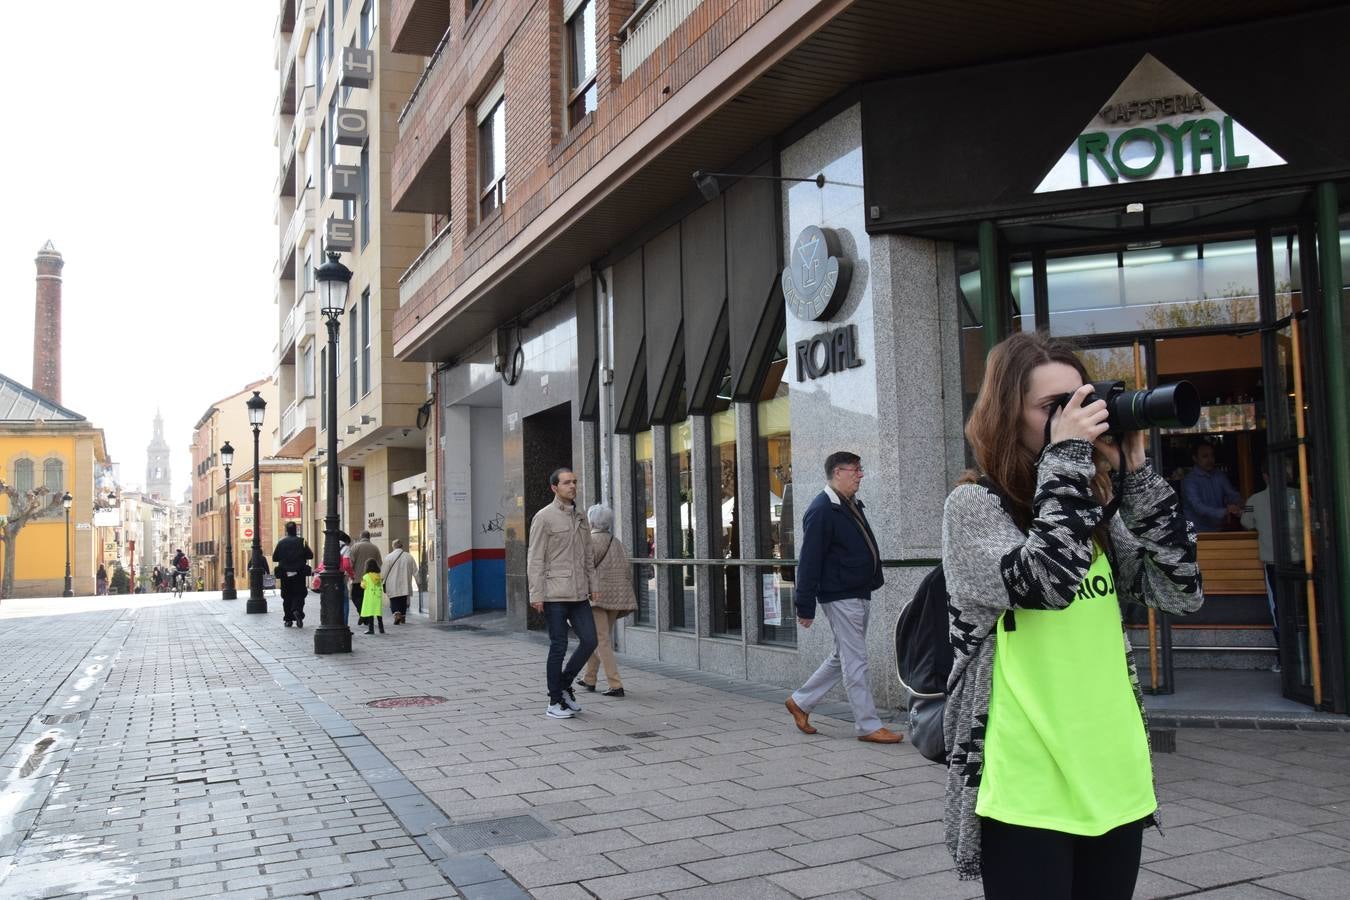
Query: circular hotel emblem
[{"x": 816, "y": 279}]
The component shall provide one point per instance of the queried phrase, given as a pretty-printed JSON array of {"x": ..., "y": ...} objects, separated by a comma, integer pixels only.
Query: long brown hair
[{"x": 995, "y": 424}]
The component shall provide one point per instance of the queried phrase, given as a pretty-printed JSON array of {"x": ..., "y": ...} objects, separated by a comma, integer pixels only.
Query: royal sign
[{"x": 1156, "y": 126}]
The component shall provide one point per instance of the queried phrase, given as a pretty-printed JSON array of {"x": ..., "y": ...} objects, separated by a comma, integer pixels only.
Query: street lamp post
[
  {"x": 332, "y": 636},
  {"x": 227, "y": 459},
  {"x": 65, "y": 501},
  {"x": 257, "y": 603}
]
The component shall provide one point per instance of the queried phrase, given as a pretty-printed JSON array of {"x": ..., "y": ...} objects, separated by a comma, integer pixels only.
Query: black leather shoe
[
  {"x": 613, "y": 692},
  {"x": 287, "y": 624},
  {"x": 589, "y": 687}
]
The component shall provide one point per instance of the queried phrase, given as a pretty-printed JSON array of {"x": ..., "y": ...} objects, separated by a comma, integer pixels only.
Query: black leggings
[{"x": 1022, "y": 863}]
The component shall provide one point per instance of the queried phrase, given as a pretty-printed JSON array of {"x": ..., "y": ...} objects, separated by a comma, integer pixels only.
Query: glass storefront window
[
  {"x": 683, "y": 522},
  {"x": 726, "y": 580},
  {"x": 777, "y": 599},
  {"x": 1153, "y": 288},
  {"x": 644, "y": 517}
]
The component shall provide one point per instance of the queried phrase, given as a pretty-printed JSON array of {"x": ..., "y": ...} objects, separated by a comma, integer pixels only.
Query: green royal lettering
[
  {"x": 1138, "y": 134},
  {"x": 1176, "y": 135},
  {"x": 1094, "y": 144},
  {"x": 1206, "y": 138},
  {"x": 1229, "y": 151}
]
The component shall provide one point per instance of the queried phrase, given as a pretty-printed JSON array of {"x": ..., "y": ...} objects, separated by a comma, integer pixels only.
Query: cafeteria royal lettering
[
  {"x": 830, "y": 351},
  {"x": 1193, "y": 138}
]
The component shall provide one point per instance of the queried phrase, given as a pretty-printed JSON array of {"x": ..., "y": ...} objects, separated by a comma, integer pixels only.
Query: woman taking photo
[{"x": 1049, "y": 782}]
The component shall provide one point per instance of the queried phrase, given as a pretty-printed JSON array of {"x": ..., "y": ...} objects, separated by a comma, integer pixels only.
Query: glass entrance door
[{"x": 1215, "y": 311}]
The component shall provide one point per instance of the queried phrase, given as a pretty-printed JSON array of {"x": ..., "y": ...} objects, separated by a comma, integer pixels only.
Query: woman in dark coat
[{"x": 292, "y": 557}]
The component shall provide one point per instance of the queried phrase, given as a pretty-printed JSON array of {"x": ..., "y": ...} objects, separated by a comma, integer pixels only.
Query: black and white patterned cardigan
[{"x": 991, "y": 566}]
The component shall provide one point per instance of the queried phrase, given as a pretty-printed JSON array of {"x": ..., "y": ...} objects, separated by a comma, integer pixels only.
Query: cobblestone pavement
[{"x": 218, "y": 756}]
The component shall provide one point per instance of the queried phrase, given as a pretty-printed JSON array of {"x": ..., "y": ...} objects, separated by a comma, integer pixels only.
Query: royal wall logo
[
  {"x": 1156, "y": 126},
  {"x": 815, "y": 281}
]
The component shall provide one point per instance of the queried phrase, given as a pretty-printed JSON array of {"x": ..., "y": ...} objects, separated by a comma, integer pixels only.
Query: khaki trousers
[{"x": 604, "y": 631}]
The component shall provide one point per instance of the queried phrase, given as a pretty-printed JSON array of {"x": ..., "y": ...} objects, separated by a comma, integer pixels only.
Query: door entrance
[{"x": 1223, "y": 312}]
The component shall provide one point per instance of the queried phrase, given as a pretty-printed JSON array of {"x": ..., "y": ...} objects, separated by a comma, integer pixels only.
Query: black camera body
[{"x": 1165, "y": 406}]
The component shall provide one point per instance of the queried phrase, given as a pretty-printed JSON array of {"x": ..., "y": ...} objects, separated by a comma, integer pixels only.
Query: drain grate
[
  {"x": 1163, "y": 740},
  {"x": 403, "y": 702},
  {"x": 644, "y": 734},
  {"x": 63, "y": 718},
  {"x": 493, "y": 833},
  {"x": 617, "y": 748}
]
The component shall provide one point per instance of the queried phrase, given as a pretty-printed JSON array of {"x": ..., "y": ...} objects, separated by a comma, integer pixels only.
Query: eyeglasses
[{"x": 858, "y": 469}]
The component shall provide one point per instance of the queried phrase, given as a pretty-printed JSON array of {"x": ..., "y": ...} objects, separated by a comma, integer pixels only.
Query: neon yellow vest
[{"x": 1065, "y": 747}]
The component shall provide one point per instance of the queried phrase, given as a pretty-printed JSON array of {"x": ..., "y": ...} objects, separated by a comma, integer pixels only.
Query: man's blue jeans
[{"x": 559, "y": 616}]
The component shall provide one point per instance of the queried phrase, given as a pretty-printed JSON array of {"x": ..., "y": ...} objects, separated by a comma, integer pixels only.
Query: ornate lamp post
[
  {"x": 257, "y": 565},
  {"x": 227, "y": 460},
  {"x": 332, "y": 636},
  {"x": 65, "y": 501}
]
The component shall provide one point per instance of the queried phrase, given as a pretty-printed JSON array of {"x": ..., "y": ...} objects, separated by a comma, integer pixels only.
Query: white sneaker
[
  {"x": 569, "y": 699},
  {"x": 558, "y": 711}
]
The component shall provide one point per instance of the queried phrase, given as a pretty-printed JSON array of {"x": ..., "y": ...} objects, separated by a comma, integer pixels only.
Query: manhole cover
[
  {"x": 616, "y": 748},
  {"x": 399, "y": 702},
  {"x": 493, "y": 833},
  {"x": 644, "y": 734},
  {"x": 63, "y": 718}
]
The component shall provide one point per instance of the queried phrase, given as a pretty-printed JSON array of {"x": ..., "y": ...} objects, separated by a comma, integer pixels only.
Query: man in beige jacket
[{"x": 561, "y": 576}]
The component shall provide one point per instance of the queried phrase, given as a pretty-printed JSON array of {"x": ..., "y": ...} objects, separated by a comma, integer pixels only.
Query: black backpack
[
  {"x": 923, "y": 656},
  {"x": 923, "y": 662}
]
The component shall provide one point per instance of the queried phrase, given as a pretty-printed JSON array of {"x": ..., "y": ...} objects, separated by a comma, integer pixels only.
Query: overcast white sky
[{"x": 140, "y": 144}]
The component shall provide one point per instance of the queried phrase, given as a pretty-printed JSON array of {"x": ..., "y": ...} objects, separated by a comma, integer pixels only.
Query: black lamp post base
[
  {"x": 332, "y": 639},
  {"x": 229, "y": 594},
  {"x": 256, "y": 605}
]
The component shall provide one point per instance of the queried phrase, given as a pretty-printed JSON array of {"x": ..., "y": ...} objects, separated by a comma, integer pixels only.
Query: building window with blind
[
  {"x": 683, "y": 524},
  {"x": 492, "y": 149},
  {"x": 367, "y": 26},
  {"x": 644, "y": 530},
  {"x": 579, "y": 59},
  {"x": 773, "y": 447},
  {"x": 365, "y": 344},
  {"x": 353, "y": 353},
  {"x": 23, "y": 475},
  {"x": 54, "y": 480},
  {"x": 726, "y": 530},
  {"x": 365, "y": 196}
]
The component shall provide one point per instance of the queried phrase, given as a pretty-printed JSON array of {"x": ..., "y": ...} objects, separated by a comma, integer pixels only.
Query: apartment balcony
[
  {"x": 299, "y": 228},
  {"x": 430, "y": 267},
  {"x": 415, "y": 26},
  {"x": 286, "y": 180},
  {"x": 298, "y": 327},
  {"x": 287, "y": 21},
  {"x": 647, "y": 28},
  {"x": 421, "y": 166},
  {"x": 420, "y": 95},
  {"x": 297, "y": 428},
  {"x": 303, "y": 124},
  {"x": 286, "y": 62}
]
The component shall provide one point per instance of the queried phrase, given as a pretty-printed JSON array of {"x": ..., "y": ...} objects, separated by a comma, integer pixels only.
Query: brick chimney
[{"x": 47, "y": 324}]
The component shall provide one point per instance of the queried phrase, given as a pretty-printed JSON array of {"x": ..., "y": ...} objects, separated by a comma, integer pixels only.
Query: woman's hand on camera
[
  {"x": 1136, "y": 442},
  {"x": 1074, "y": 421}
]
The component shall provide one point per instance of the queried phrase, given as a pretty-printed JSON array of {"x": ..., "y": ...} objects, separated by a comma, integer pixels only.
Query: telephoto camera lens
[{"x": 1165, "y": 406}]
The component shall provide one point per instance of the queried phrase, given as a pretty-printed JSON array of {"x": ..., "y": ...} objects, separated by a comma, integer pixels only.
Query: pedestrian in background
[
  {"x": 363, "y": 551},
  {"x": 398, "y": 573},
  {"x": 292, "y": 556},
  {"x": 372, "y": 598},
  {"x": 101, "y": 581},
  {"x": 840, "y": 567},
  {"x": 612, "y": 599},
  {"x": 561, "y": 576}
]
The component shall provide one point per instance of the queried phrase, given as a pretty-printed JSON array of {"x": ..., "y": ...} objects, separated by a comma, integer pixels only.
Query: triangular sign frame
[{"x": 1154, "y": 127}]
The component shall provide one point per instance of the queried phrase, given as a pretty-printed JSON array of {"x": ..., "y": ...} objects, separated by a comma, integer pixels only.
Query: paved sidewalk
[{"x": 222, "y": 757}]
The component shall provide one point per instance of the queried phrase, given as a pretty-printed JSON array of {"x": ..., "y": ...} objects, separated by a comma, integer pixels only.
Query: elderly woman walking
[{"x": 611, "y": 601}]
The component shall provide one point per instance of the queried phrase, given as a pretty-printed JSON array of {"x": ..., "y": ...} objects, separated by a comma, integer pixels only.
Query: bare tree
[{"x": 23, "y": 507}]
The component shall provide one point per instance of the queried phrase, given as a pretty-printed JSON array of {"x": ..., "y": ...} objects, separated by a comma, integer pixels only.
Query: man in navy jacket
[{"x": 839, "y": 567}]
